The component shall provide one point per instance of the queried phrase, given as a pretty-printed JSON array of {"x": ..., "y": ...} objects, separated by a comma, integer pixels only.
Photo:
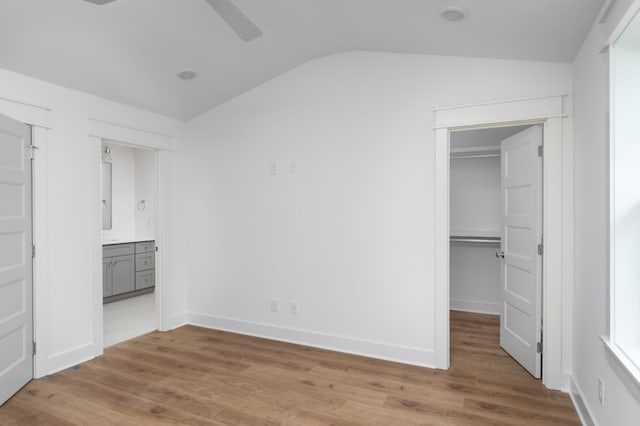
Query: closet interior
[{"x": 475, "y": 218}]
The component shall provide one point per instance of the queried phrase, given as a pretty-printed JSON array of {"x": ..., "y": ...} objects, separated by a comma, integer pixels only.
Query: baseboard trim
[
  {"x": 178, "y": 321},
  {"x": 579, "y": 403},
  {"x": 63, "y": 360},
  {"x": 372, "y": 349},
  {"x": 473, "y": 306}
]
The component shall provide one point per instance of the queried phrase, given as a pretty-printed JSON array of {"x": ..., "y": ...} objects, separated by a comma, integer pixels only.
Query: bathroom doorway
[{"x": 129, "y": 202}]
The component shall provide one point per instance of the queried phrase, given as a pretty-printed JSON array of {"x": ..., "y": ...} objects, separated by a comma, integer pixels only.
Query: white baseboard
[
  {"x": 395, "y": 353},
  {"x": 66, "y": 359},
  {"x": 579, "y": 403},
  {"x": 473, "y": 306},
  {"x": 178, "y": 321}
]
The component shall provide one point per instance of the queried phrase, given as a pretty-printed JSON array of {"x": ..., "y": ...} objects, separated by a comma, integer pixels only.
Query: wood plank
[{"x": 198, "y": 376}]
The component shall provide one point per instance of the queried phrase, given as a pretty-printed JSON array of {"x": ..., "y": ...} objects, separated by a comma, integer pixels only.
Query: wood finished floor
[{"x": 196, "y": 376}]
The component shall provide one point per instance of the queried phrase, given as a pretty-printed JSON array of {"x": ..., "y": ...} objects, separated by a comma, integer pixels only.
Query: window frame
[{"x": 626, "y": 365}]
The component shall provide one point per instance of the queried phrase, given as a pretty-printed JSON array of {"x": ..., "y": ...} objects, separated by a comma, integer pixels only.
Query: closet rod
[{"x": 460, "y": 239}]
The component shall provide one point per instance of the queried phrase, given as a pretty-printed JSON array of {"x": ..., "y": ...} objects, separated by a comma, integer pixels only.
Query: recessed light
[
  {"x": 454, "y": 13},
  {"x": 187, "y": 74}
]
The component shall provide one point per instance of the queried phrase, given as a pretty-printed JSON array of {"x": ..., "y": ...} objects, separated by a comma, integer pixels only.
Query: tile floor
[{"x": 129, "y": 318}]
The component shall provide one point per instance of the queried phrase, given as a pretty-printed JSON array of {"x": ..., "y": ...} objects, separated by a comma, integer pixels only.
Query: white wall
[
  {"x": 474, "y": 278},
  {"x": 65, "y": 318},
  {"x": 349, "y": 234},
  {"x": 591, "y": 107},
  {"x": 134, "y": 178},
  {"x": 146, "y": 188},
  {"x": 475, "y": 200},
  {"x": 475, "y": 197}
]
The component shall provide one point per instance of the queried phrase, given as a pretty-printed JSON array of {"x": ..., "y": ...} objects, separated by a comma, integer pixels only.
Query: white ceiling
[{"x": 131, "y": 50}]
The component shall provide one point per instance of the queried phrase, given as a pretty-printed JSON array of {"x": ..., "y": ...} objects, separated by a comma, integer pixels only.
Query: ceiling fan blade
[
  {"x": 235, "y": 19},
  {"x": 99, "y": 2}
]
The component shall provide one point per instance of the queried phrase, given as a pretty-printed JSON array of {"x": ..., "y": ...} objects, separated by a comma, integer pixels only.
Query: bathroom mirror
[{"x": 106, "y": 188}]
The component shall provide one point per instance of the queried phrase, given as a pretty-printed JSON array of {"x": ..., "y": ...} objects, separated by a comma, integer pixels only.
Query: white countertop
[{"x": 106, "y": 241}]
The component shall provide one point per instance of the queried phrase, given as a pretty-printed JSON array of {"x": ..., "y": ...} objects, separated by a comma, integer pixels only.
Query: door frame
[
  {"x": 557, "y": 258},
  {"x": 161, "y": 144}
]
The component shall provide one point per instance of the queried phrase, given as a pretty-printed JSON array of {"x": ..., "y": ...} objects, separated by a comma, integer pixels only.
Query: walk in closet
[{"x": 476, "y": 219}]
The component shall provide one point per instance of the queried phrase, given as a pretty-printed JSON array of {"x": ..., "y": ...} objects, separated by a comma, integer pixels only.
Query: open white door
[
  {"x": 16, "y": 304},
  {"x": 521, "y": 269}
]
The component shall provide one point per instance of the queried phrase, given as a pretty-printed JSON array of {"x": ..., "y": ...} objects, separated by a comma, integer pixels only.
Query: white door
[
  {"x": 521, "y": 269},
  {"x": 16, "y": 305}
]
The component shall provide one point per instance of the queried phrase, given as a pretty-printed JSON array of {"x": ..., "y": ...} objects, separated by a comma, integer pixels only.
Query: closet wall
[{"x": 475, "y": 197}]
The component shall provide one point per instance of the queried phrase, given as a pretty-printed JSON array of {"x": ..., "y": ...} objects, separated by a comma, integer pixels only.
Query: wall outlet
[
  {"x": 601, "y": 391},
  {"x": 273, "y": 168},
  {"x": 293, "y": 308},
  {"x": 275, "y": 306},
  {"x": 293, "y": 167}
]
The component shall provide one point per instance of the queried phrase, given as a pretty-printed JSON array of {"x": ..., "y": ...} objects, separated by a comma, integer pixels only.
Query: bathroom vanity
[{"x": 128, "y": 269}]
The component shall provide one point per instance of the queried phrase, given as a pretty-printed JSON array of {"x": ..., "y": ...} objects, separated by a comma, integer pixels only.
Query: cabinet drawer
[
  {"x": 117, "y": 250},
  {"x": 145, "y": 247},
  {"x": 145, "y": 261},
  {"x": 145, "y": 279}
]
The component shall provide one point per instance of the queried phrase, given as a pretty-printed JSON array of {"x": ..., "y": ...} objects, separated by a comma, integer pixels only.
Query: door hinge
[
  {"x": 539, "y": 347},
  {"x": 32, "y": 150},
  {"x": 33, "y": 351},
  {"x": 540, "y": 151},
  {"x": 540, "y": 249},
  {"x": 33, "y": 250}
]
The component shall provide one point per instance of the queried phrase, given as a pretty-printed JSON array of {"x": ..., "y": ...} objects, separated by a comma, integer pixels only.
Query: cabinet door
[
  {"x": 123, "y": 274},
  {"x": 107, "y": 287}
]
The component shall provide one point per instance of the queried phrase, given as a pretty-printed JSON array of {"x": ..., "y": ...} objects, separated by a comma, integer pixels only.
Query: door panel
[
  {"x": 521, "y": 271},
  {"x": 16, "y": 303}
]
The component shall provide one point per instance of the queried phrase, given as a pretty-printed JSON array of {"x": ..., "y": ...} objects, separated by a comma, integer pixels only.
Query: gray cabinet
[
  {"x": 145, "y": 264},
  {"x": 128, "y": 270},
  {"x": 122, "y": 274},
  {"x": 118, "y": 269},
  {"x": 107, "y": 287}
]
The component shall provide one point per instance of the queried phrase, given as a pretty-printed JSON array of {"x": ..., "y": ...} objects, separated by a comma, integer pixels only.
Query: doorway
[
  {"x": 557, "y": 216},
  {"x": 495, "y": 222},
  {"x": 129, "y": 200}
]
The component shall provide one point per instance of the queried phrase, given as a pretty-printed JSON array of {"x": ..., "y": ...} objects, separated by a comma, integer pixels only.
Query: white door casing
[
  {"x": 16, "y": 273},
  {"x": 557, "y": 212},
  {"x": 521, "y": 268}
]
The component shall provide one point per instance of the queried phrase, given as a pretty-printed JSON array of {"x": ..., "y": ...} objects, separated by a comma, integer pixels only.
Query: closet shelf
[
  {"x": 473, "y": 233},
  {"x": 475, "y": 152}
]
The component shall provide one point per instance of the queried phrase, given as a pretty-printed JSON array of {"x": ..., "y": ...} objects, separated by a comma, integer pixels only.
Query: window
[{"x": 624, "y": 338}]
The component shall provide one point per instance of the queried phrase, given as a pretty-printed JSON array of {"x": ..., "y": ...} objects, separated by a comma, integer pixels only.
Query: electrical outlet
[
  {"x": 293, "y": 308},
  {"x": 275, "y": 307},
  {"x": 293, "y": 167},
  {"x": 601, "y": 391},
  {"x": 273, "y": 168}
]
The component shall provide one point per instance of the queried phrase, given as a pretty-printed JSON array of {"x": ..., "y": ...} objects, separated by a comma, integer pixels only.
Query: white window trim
[{"x": 626, "y": 369}]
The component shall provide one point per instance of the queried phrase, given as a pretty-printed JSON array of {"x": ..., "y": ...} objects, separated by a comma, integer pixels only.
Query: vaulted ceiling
[{"x": 131, "y": 50}]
